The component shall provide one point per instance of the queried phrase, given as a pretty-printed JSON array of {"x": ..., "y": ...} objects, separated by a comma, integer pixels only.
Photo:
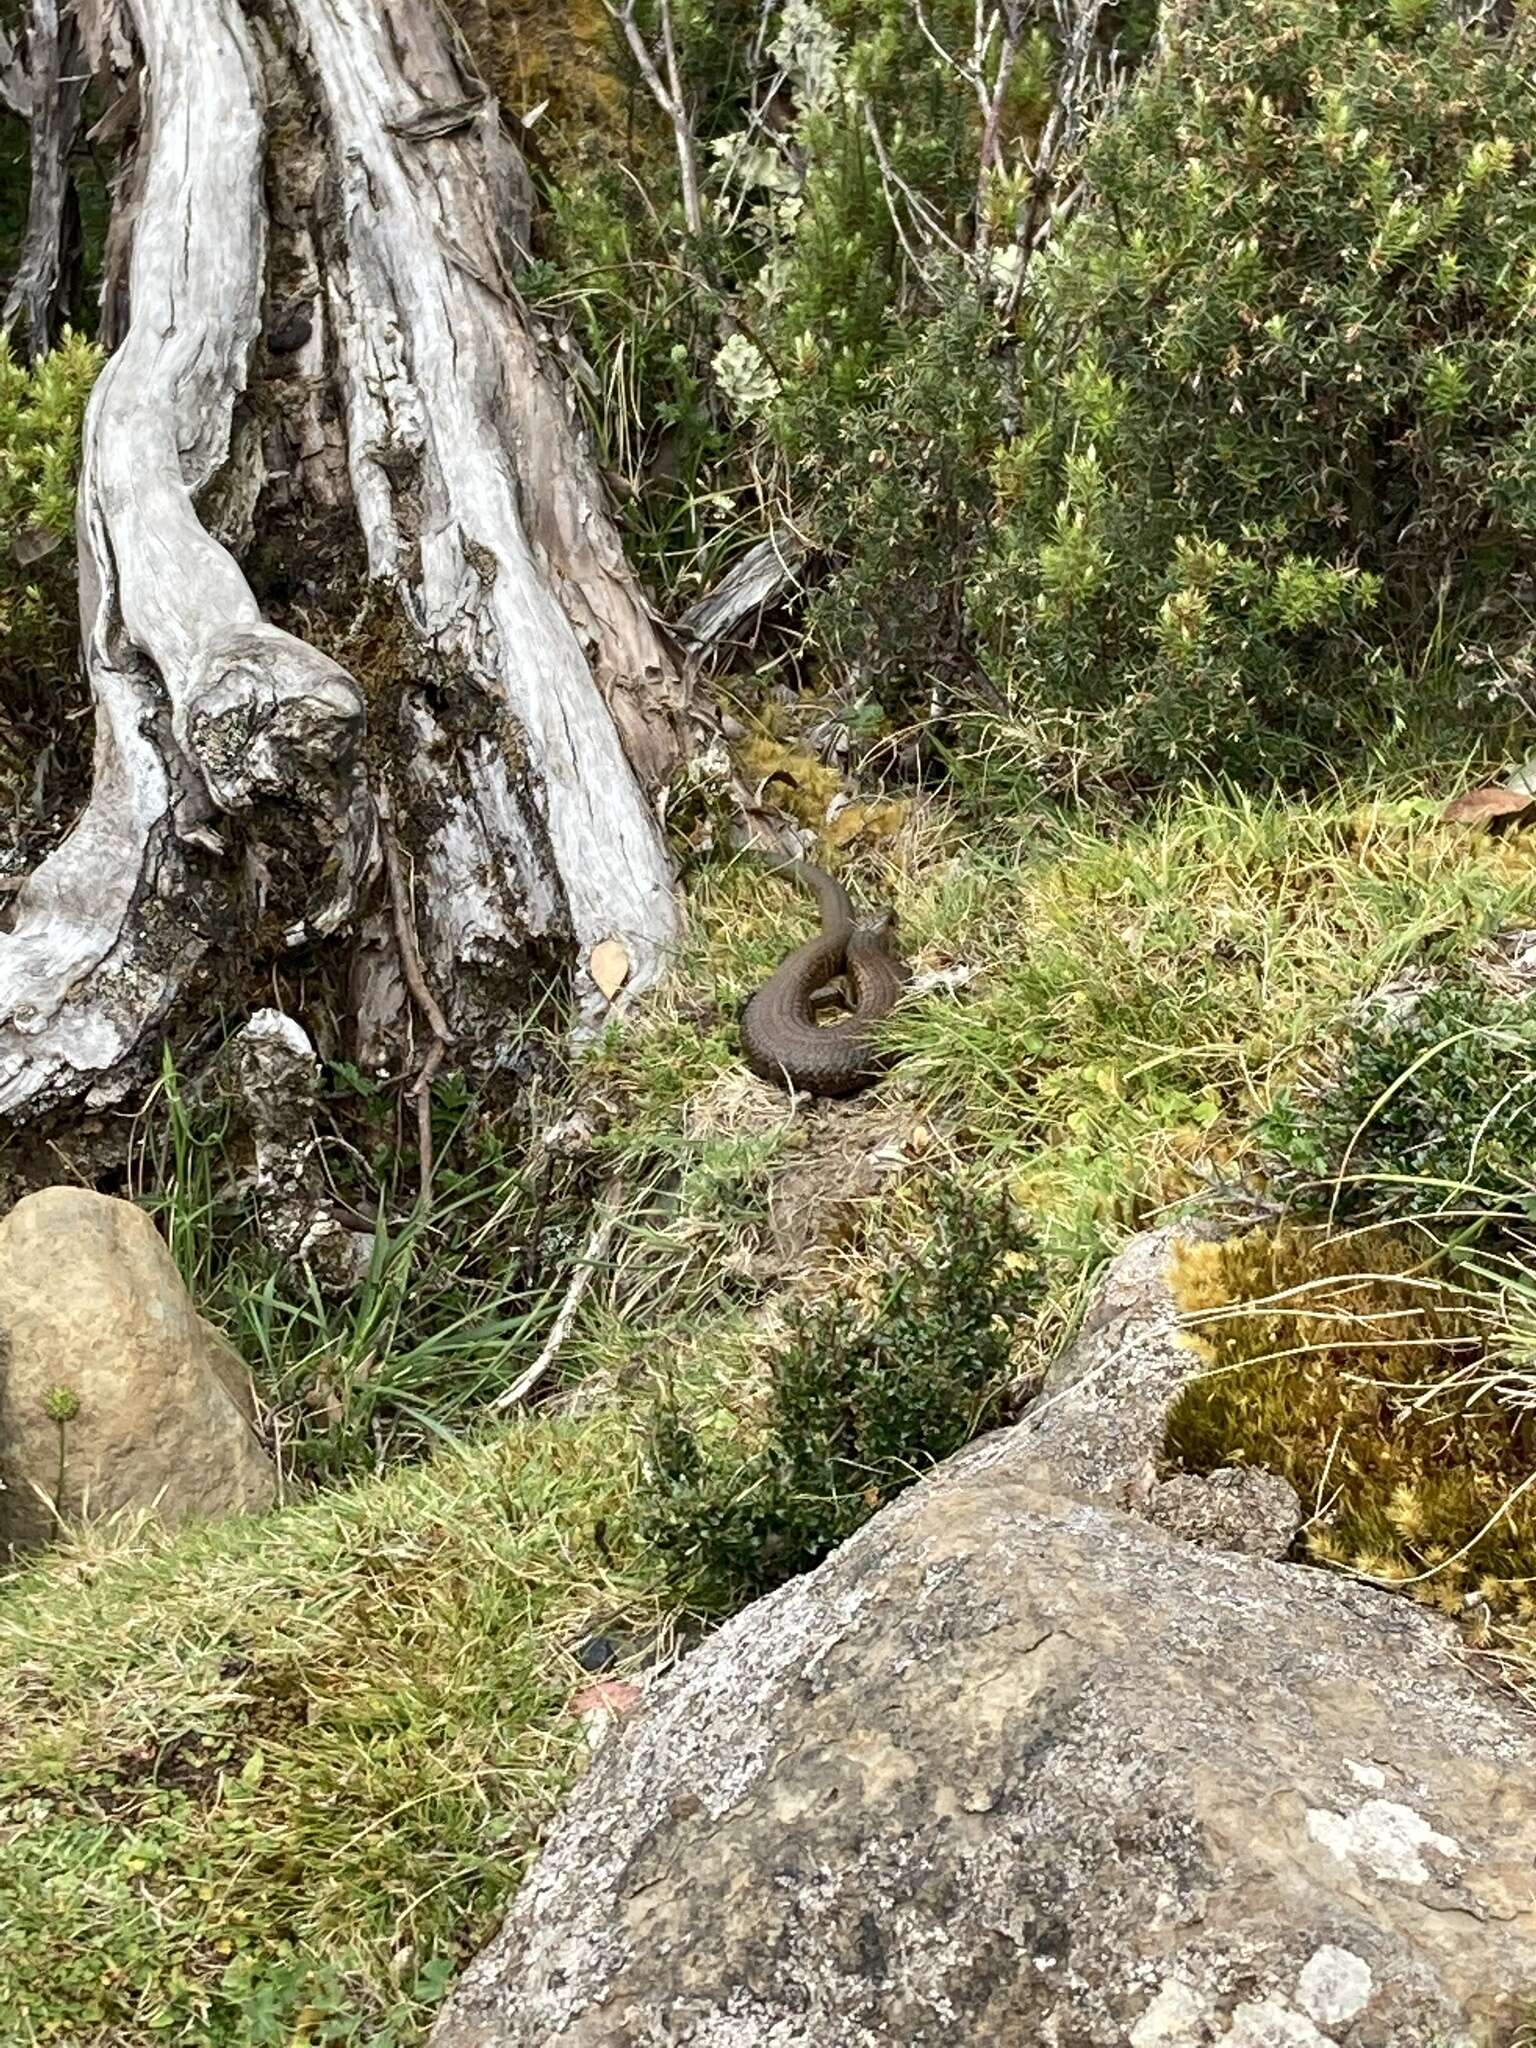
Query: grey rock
[{"x": 1017, "y": 1768}]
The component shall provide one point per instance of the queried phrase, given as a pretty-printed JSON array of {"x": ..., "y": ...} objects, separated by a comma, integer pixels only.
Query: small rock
[
  {"x": 1235, "y": 1508},
  {"x": 601, "y": 1707},
  {"x": 101, "y": 1347},
  {"x": 1176, "y": 2018}
]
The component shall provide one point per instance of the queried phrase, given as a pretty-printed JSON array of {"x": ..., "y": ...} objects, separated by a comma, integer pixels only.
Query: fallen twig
[{"x": 609, "y": 1211}]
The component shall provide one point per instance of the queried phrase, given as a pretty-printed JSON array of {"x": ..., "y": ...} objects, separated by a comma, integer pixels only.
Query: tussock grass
[{"x": 456, "y": 1300}]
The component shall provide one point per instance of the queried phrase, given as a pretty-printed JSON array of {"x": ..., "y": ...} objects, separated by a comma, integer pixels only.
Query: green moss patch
[{"x": 1359, "y": 1367}]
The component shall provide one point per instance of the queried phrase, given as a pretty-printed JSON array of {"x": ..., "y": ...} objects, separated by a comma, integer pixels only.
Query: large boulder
[
  {"x": 108, "y": 1374},
  {"x": 1018, "y": 1767}
]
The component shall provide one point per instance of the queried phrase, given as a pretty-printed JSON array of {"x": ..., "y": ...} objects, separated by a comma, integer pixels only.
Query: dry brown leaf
[
  {"x": 616, "y": 1693},
  {"x": 1490, "y": 807},
  {"x": 608, "y": 965},
  {"x": 33, "y": 544}
]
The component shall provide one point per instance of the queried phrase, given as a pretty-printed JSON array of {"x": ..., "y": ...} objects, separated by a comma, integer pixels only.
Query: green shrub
[
  {"x": 1273, "y": 474},
  {"x": 1432, "y": 1107},
  {"x": 41, "y": 410},
  {"x": 863, "y": 1398}
]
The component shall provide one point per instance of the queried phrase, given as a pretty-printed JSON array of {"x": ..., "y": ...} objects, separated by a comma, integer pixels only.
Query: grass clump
[
  {"x": 1140, "y": 992},
  {"x": 457, "y": 1297},
  {"x": 1431, "y": 1110},
  {"x": 1145, "y": 989},
  {"x": 864, "y": 1395},
  {"x": 1365, "y": 1369},
  {"x": 271, "y": 1781}
]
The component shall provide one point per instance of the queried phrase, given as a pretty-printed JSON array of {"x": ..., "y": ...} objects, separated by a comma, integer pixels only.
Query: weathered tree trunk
[
  {"x": 319, "y": 226},
  {"x": 44, "y": 81}
]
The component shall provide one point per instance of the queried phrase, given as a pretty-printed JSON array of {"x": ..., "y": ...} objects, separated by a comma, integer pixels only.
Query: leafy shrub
[
  {"x": 863, "y": 1398},
  {"x": 1273, "y": 469},
  {"x": 1431, "y": 1107},
  {"x": 41, "y": 410},
  {"x": 1245, "y": 479}
]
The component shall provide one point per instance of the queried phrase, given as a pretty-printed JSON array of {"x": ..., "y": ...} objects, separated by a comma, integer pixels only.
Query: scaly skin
[{"x": 779, "y": 1034}]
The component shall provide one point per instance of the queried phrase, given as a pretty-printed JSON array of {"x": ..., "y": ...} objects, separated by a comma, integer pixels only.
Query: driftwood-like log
[
  {"x": 201, "y": 708},
  {"x": 361, "y": 354},
  {"x": 760, "y": 579},
  {"x": 44, "y": 81}
]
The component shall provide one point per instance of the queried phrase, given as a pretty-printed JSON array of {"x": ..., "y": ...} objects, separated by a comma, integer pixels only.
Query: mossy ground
[
  {"x": 1356, "y": 1365},
  {"x": 272, "y": 1781}
]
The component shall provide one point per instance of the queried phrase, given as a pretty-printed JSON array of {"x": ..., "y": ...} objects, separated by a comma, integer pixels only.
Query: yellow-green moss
[
  {"x": 1341, "y": 1361},
  {"x": 809, "y": 790}
]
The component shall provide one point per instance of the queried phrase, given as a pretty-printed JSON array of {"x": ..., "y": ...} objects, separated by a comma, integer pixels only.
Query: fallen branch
[{"x": 761, "y": 576}]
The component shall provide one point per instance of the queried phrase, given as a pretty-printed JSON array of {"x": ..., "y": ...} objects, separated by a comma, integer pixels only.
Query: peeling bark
[
  {"x": 317, "y": 233},
  {"x": 760, "y": 579}
]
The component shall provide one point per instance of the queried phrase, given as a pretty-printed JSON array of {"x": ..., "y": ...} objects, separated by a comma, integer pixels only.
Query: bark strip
[{"x": 45, "y": 83}]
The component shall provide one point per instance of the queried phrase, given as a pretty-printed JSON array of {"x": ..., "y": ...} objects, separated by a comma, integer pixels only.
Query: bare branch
[
  {"x": 405, "y": 927},
  {"x": 968, "y": 72},
  {"x": 1078, "y": 24},
  {"x": 669, "y": 97},
  {"x": 992, "y": 122},
  {"x": 923, "y": 214}
]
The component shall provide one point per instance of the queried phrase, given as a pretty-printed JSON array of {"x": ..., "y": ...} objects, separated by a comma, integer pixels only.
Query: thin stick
[
  {"x": 405, "y": 931},
  {"x": 421, "y": 1088},
  {"x": 669, "y": 97},
  {"x": 416, "y": 982},
  {"x": 596, "y": 1247}
]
